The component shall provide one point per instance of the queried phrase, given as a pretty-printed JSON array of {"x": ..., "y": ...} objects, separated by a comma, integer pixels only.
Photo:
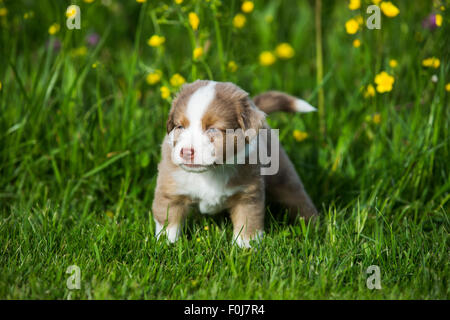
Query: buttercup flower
[
  {"x": 71, "y": 11},
  {"x": 376, "y": 1},
  {"x": 447, "y": 87},
  {"x": 247, "y": 6},
  {"x": 28, "y": 15},
  {"x": 53, "y": 29},
  {"x": 376, "y": 118},
  {"x": 0, "y": 86},
  {"x": 266, "y": 58},
  {"x": 384, "y": 82},
  {"x": 79, "y": 52},
  {"x": 299, "y": 135},
  {"x": 178, "y": 1},
  {"x": 141, "y": 1},
  {"x": 389, "y": 9},
  {"x": 393, "y": 63},
  {"x": 284, "y": 51},
  {"x": 88, "y": 1},
  {"x": 351, "y": 26},
  {"x": 194, "y": 21},
  {"x": 356, "y": 43},
  {"x": 432, "y": 62},
  {"x": 198, "y": 52},
  {"x": 3, "y": 12},
  {"x": 360, "y": 20},
  {"x": 156, "y": 41},
  {"x": 154, "y": 77},
  {"x": 177, "y": 80},
  {"x": 354, "y": 4},
  {"x": 165, "y": 92},
  {"x": 232, "y": 66},
  {"x": 370, "y": 91},
  {"x": 438, "y": 19},
  {"x": 239, "y": 21}
]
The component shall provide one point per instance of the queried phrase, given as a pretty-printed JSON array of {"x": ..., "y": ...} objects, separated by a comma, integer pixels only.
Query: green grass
[{"x": 79, "y": 148}]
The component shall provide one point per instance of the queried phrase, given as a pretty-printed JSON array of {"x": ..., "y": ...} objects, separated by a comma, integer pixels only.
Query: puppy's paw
[
  {"x": 172, "y": 233},
  {"x": 243, "y": 241}
]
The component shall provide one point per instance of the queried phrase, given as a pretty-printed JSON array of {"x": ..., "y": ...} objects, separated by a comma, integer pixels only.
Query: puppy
[{"x": 199, "y": 160}]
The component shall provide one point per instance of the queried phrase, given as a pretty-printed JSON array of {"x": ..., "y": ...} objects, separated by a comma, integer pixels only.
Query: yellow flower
[
  {"x": 53, "y": 29},
  {"x": 266, "y": 58},
  {"x": 370, "y": 91},
  {"x": 232, "y": 66},
  {"x": 154, "y": 77},
  {"x": 0, "y": 86},
  {"x": 198, "y": 52},
  {"x": 247, "y": 6},
  {"x": 88, "y": 1},
  {"x": 239, "y": 21},
  {"x": 384, "y": 82},
  {"x": 389, "y": 9},
  {"x": 376, "y": 1},
  {"x": 300, "y": 135},
  {"x": 431, "y": 62},
  {"x": 79, "y": 52},
  {"x": 109, "y": 214},
  {"x": 28, "y": 15},
  {"x": 177, "y": 80},
  {"x": 438, "y": 19},
  {"x": 206, "y": 228},
  {"x": 351, "y": 26},
  {"x": 356, "y": 43},
  {"x": 165, "y": 92},
  {"x": 178, "y": 1},
  {"x": 447, "y": 86},
  {"x": 156, "y": 41},
  {"x": 360, "y": 20},
  {"x": 141, "y": 1},
  {"x": 3, "y": 12},
  {"x": 71, "y": 11},
  {"x": 194, "y": 20},
  {"x": 354, "y": 4},
  {"x": 393, "y": 63},
  {"x": 284, "y": 51},
  {"x": 376, "y": 118}
]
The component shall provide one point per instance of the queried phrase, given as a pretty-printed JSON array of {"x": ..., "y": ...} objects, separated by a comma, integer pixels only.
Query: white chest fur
[{"x": 208, "y": 189}]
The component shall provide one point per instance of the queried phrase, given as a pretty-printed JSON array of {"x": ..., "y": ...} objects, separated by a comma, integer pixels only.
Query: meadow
[{"x": 83, "y": 113}]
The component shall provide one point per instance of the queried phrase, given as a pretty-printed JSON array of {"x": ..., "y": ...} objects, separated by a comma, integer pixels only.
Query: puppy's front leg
[
  {"x": 247, "y": 215},
  {"x": 169, "y": 215}
]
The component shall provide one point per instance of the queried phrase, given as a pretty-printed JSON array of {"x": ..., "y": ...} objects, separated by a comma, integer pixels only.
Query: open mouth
[
  {"x": 194, "y": 167},
  {"x": 191, "y": 165}
]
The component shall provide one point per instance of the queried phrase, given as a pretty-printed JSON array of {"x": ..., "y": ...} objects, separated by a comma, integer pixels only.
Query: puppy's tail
[{"x": 272, "y": 101}]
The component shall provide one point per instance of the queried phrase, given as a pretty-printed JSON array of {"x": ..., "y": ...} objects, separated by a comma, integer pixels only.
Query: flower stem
[{"x": 319, "y": 63}]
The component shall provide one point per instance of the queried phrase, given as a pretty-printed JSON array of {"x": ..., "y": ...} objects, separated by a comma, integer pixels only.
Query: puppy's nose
[{"x": 187, "y": 154}]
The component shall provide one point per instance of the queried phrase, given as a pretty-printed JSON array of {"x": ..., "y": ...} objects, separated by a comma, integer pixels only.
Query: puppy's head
[{"x": 198, "y": 121}]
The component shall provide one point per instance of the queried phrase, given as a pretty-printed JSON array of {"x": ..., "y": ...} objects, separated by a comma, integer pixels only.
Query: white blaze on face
[{"x": 193, "y": 136}]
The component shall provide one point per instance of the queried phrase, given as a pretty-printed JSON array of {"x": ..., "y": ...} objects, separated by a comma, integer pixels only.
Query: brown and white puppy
[{"x": 195, "y": 168}]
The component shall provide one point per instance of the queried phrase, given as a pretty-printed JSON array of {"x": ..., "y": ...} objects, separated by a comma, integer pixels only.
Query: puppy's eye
[
  {"x": 212, "y": 130},
  {"x": 179, "y": 127}
]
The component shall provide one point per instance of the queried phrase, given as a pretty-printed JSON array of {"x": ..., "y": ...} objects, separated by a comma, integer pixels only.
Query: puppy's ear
[
  {"x": 249, "y": 116},
  {"x": 170, "y": 124}
]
